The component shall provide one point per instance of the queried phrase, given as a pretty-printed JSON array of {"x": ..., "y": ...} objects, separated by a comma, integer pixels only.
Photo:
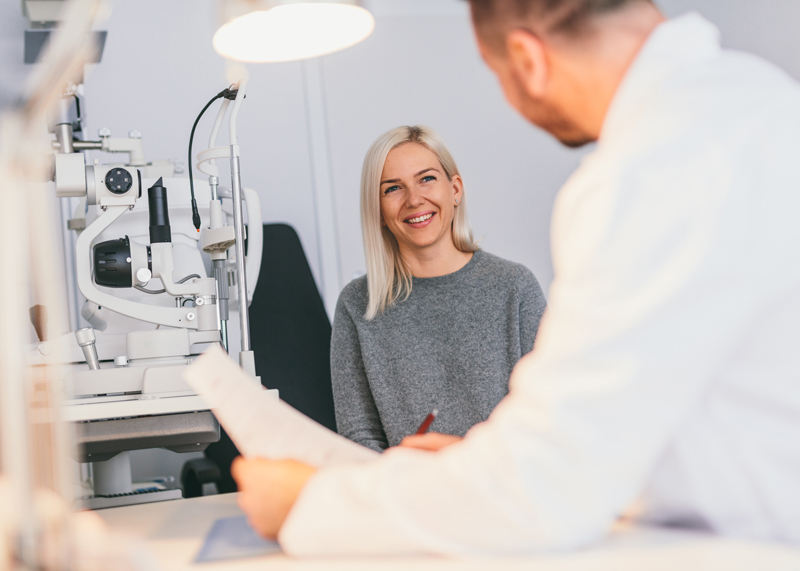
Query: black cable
[{"x": 227, "y": 94}]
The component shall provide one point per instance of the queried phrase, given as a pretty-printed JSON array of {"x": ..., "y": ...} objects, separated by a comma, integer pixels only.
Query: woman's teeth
[{"x": 419, "y": 219}]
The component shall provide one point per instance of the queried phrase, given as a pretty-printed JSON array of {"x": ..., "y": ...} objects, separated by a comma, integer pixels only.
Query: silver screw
[
  {"x": 104, "y": 132},
  {"x": 135, "y": 134}
]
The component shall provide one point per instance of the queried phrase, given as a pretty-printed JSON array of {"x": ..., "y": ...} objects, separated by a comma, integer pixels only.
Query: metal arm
[
  {"x": 238, "y": 221},
  {"x": 186, "y": 318}
]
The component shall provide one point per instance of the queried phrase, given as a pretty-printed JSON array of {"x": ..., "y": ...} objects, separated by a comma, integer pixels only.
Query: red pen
[{"x": 426, "y": 424}]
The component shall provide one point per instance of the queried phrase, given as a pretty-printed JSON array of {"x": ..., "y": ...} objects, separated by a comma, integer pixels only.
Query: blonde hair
[{"x": 388, "y": 275}]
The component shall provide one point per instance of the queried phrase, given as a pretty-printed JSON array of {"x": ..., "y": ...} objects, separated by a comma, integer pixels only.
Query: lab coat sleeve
[
  {"x": 647, "y": 299},
  {"x": 357, "y": 416}
]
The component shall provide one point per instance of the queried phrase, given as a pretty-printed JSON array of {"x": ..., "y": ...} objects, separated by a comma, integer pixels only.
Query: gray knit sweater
[{"x": 451, "y": 345}]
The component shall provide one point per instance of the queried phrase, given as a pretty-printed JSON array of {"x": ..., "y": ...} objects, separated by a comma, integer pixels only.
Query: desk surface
[{"x": 175, "y": 530}]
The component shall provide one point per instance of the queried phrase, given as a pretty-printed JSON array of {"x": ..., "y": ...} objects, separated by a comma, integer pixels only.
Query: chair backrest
[{"x": 291, "y": 338}]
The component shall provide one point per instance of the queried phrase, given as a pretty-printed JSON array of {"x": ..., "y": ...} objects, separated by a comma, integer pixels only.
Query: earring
[{"x": 456, "y": 202}]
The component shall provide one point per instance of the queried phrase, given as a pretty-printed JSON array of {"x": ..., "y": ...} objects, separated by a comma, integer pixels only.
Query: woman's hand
[
  {"x": 268, "y": 489},
  {"x": 432, "y": 441}
]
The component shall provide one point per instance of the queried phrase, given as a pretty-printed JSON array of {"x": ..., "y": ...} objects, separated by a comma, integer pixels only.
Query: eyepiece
[{"x": 159, "y": 213}]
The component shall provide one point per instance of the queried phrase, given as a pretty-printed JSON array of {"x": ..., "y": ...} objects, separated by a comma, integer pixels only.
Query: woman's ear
[
  {"x": 458, "y": 188},
  {"x": 527, "y": 59}
]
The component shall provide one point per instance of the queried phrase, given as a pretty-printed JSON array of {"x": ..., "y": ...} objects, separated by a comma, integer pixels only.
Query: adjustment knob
[
  {"x": 119, "y": 181},
  {"x": 143, "y": 275},
  {"x": 112, "y": 267},
  {"x": 86, "y": 341}
]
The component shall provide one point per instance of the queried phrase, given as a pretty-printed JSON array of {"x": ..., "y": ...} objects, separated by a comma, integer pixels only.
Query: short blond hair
[{"x": 388, "y": 275}]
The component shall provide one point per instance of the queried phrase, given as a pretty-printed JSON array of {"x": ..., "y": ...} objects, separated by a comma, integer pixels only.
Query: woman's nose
[{"x": 414, "y": 198}]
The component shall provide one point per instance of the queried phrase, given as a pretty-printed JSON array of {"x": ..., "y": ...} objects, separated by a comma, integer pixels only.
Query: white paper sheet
[{"x": 262, "y": 426}]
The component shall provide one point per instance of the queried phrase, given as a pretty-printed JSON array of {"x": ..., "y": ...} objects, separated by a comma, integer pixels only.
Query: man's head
[{"x": 560, "y": 62}]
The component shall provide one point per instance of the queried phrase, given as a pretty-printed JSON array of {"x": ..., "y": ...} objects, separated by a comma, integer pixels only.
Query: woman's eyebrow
[
  {"x": 416, "y": 175},
  {"x": 426, "y": 170}
]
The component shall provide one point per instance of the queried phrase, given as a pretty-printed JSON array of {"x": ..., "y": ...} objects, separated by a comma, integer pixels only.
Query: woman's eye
[
  {"x": 428, "y": 178},
  {"x": 390, "y": 189}
]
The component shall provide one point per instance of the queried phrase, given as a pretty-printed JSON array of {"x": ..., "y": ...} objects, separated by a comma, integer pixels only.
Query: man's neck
[{"x": 595, "y": 71}]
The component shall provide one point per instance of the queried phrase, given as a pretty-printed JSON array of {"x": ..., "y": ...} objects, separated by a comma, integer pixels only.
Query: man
[{"x": 666, "y": 372}]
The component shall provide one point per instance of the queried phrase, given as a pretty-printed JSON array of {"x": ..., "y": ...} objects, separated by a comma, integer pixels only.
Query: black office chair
[{"x": 291, "y": 339}]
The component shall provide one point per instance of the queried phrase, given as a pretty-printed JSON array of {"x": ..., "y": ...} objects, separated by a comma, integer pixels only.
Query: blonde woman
[{"x": 436, "y": 323}]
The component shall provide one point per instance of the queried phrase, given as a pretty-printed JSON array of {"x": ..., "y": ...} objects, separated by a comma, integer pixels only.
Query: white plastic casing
[
  {"x": 70, "y": 175},
  {"x": 97, "y": 193}
]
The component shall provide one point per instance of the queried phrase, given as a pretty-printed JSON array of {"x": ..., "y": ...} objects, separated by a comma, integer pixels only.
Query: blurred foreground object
[{"x": 37, "y": 528}]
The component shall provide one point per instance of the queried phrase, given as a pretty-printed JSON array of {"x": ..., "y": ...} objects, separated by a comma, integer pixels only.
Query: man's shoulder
[
  {"x": 720, "y": 115},
  {"x": 731, "y": 95}
]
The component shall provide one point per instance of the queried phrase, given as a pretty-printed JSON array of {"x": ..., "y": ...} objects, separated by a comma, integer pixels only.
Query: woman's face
[{"x": 417, "y": 200}]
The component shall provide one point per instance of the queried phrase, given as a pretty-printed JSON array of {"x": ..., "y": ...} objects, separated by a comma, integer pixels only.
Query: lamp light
[{"x": 287, "y": 30}]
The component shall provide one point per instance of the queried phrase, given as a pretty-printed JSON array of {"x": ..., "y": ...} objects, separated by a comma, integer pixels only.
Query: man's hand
[
  {"x": 432, "y": 441},
  {"x": 268, "y": 489}
]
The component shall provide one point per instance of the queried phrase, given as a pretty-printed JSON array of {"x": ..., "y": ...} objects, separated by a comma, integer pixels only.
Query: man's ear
[{"x": 527, "y": 59}]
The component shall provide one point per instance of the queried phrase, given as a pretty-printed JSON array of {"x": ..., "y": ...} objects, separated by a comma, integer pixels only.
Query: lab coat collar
[{"x": 673, "y": 46}]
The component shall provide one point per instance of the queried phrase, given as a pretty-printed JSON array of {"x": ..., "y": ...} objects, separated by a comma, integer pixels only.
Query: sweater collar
[{"x": 459, "y": 274}]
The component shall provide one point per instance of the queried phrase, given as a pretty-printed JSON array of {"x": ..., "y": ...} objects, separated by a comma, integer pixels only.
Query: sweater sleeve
[
  {"x": 531, "y": 307},
  {"x": 357, "y": 416}
]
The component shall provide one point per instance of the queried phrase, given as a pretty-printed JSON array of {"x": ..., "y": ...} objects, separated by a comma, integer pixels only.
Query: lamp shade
[{"x": 288, "y": 30}]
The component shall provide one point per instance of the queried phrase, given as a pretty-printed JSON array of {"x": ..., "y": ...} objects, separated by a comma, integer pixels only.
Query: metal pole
[
  {"x": 220, "y": 270},
  {"x": 223, "y": 334},
  {"x": 238, "y": 227}
]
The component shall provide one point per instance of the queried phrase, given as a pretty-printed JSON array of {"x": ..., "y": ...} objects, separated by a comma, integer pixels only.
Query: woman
[{"x": 436, "y": 323}]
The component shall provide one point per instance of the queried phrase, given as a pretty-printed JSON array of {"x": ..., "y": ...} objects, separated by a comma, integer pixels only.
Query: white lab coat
[{"x": 667, "y": 365}]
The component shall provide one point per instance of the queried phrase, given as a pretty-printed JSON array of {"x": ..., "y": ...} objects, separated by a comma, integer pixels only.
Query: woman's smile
[{"x": 419, "y": 220}]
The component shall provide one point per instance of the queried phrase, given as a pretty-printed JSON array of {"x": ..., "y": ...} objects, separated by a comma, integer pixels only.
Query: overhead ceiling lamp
[{"x": 287, "y": 30}]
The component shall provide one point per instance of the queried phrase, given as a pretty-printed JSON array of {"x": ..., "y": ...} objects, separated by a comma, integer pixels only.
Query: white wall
[{"x": 420, "y": 66}]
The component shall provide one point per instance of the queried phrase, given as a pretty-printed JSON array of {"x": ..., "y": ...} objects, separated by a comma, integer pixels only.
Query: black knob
[
  {"x": 112, "y": 263},
  {"x": 119, "y": 181}
]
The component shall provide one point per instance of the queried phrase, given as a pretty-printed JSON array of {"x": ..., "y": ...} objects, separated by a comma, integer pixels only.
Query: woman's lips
[{"x": 420, "y": 220}]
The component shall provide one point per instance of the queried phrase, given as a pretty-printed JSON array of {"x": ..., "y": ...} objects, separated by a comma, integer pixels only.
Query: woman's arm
[
  {"x": 356, "y": 414},
  {"x": 531, "y": 307}
]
